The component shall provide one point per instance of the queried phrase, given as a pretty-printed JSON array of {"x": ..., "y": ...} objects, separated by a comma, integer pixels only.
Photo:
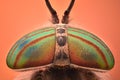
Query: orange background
[{"x": 18, "y": 17}]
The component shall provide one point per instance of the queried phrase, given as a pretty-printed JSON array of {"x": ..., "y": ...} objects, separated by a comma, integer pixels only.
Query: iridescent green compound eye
[
  {"x": 34, "y": 49},
  {"x": 87, "y": 50},
  {"x": 38, "y": 49}
]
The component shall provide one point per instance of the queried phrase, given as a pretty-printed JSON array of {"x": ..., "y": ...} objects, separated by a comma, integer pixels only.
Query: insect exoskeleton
[{"x": 61, "y": 46}]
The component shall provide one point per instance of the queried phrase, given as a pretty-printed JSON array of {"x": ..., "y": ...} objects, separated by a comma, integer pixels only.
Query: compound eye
[
  {"x": 87, "y": 50},
  {"x": 33, "y": 50}
]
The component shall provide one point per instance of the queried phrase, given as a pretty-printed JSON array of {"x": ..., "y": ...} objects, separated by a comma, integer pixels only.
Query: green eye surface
[
  {"x": 38, "y": 49},
  {"x": 34, "y": 49},
  {"x": 87, "y": 50}
]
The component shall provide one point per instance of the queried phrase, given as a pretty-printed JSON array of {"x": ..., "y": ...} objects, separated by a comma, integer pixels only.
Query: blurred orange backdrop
[{"x": 19, "y": 17}]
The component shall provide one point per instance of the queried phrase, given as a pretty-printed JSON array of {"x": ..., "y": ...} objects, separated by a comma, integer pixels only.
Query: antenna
[
  {"x": 65, "y": 18},
  {"x": 55, "y": 19}
]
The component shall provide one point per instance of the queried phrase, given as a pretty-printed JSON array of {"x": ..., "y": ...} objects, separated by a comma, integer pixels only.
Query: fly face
[{"x": 60, "y": 52}]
